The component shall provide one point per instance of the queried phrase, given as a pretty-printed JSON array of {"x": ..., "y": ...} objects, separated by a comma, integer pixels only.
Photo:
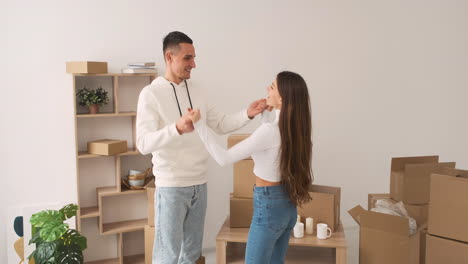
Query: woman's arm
[{"x": 258, "y": 141}]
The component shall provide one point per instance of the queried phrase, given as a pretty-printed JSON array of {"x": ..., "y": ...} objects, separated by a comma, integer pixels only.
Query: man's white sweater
[{"x": 178, "y": 160}]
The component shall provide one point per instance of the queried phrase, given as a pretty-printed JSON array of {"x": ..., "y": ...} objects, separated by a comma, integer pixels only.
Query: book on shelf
[
  {"x": 142, "y": 64},
  {"x": 139, "y": 70}
]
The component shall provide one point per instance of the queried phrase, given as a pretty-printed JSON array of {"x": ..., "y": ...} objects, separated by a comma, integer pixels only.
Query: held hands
[
  {"x": 194, "y": 115},
  {"x": 184, "y": 124},
  {"x": 256, "y": 108}
]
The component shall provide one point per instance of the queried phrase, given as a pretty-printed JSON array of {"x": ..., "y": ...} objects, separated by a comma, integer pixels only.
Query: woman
[{"x": 282, "y": 153}]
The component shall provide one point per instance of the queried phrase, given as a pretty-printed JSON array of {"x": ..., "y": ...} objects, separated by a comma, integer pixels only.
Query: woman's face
[{"x": 274, "y": 98}]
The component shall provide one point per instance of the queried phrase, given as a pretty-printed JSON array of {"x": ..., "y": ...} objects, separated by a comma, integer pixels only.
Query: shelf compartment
[
  {"x": 135, "y": 259},
  {"x": 121, "y": 114},
  {"x": 89, "y": 212},
  {"x": 86, "y": 155},
  {"x": 112, "y": 191},
  {"x": 124, "y": 226}
]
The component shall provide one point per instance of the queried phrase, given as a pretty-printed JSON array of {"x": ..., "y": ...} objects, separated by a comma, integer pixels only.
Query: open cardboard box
[
  {"x": 418, "y": 212},
  {"x": 324, "y": 207},
  {"x": 448, "y": 208},
  {"x": 386, "y": 239},
  {"x": 410, "y": 178}
]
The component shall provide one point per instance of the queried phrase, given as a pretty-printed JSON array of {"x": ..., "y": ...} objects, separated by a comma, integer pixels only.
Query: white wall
[{"x": 387, "y": 78}]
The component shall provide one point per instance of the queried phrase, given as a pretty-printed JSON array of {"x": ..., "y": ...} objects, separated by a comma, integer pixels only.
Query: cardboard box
[
  {"x": 240, "y": 211},
  {"x": 374, "y": 197},
  {"x": 418, "y": 212},
  {"x": 236, "y": 138},
  {"x": 107, "y": 147},
  {"x": 410, "y": 178},
  {"x": 149, "y": 242},
  {"x": 244, "y": 179},
  {"x": 386, "y": 239},
  {"x": 448, "y": 209},
  {"x": 445, "y": 251},
  {"x": 150, "y": 189},
  {"x": 86, "y": 67},
  {"x": 324, "y": 207}
]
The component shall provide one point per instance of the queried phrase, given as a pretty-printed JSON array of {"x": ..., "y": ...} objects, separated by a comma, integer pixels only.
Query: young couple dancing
[{"x": 178, "y": 127}]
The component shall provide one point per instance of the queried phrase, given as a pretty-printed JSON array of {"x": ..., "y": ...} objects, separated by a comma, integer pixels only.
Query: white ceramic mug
[
  {"x": 298, "y": 230},
  {"x": 322, "y": 231}
]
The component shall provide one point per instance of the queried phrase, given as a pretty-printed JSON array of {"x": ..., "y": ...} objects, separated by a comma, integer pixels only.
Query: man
[{"x": 179, "y": 157}]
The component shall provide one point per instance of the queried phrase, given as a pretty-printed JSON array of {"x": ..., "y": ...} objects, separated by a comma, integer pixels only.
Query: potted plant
[
  {"x": 93, "y": 98},
  {"x": 55, "y": 241}
]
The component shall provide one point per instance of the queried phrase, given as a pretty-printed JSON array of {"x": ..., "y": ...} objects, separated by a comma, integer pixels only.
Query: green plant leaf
[
  {"x": 36, "y": 238},
  {"x": 69, "y": 254},
  {"x": 43, "y": 217},
  {"x": 74, "y": 237},
  {"x": 53, "y": 230},
  {"x": 92, "y": 96},
  {"x": 68, "y": 211},
  {"x": 44, "y": 252}
]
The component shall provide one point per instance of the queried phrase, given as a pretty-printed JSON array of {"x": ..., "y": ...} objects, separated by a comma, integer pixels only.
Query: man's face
[{"x": 182, "y": 61}]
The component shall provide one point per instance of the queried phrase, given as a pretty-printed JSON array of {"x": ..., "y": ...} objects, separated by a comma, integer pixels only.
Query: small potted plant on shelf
[
  {"x": 55, "y": 241},
  {"x": 93, "y": 98}
]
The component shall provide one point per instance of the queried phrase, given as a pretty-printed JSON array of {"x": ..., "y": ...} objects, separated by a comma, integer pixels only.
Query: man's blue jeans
[
  {"x": 273, "y": 219},
  {"x": 180, "y": 219}
]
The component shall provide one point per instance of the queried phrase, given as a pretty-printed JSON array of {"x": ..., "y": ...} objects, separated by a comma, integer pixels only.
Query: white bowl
[
  {"x": 133, "y": 172},
  {"x": 136, "y": 183}
]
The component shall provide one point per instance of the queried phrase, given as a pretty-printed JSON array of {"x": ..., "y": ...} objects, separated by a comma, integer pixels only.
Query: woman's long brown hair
[{"x": 295, "y": 127}]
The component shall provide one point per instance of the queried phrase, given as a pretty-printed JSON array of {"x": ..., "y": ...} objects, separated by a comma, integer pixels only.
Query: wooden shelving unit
[{"x": 99, "y": 177}]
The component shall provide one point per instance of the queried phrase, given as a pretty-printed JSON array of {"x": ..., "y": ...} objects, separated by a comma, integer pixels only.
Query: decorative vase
[{"x": 93, "y": 109}]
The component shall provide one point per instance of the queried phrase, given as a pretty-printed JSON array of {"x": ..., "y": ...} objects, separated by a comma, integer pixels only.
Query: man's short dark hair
[{"x": 174, "y": 38}]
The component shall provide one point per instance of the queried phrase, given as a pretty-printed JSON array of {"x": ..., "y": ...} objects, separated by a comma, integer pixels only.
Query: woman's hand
[{"x": 194, "y": 115}]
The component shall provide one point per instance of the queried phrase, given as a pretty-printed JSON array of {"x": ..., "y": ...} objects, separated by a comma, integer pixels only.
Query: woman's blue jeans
[{"x": 273, "y": 219}]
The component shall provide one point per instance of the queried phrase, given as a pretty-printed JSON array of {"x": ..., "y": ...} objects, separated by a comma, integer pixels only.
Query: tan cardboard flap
[
  {"x": 452, "y": 172},
  {"x": 356, "y": 213},
  {"x": 398, "y": 164},
  {"x": 388, "y": 223},
  {"x": 384, "y": 222},
  {"x": 425, "y": 169},
  {"x": 374, "y": 197},
  {"x": 336, "y": 191}
]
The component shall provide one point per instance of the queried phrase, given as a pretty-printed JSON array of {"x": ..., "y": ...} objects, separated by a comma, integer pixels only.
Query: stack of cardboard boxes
[
  {"x": 447, "y": 238},
  {"x": 386, "y": 238},
  {"x": 149, "y": 228},
  {"x": 241, "y": 200},
  {"x": 324, "y": 207}
]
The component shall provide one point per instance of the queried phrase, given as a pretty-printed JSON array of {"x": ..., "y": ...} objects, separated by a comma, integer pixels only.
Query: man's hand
[
  {"x": 194, "y": 115},
  {"x": 256, "y": 108},
  {"x": 184, "y": 124}
]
